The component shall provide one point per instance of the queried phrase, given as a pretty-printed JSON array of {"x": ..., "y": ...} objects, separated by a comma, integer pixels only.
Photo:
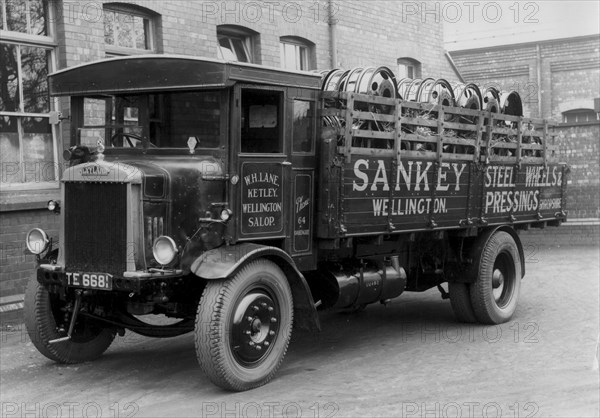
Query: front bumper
[{"x": 129, "y": 281}]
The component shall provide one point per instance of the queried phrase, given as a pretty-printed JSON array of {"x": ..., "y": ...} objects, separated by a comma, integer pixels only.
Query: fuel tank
[{"x": 366, "y": 285}]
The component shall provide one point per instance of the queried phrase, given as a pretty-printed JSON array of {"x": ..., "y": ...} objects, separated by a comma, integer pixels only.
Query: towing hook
[{"x": 78, "y": 294}]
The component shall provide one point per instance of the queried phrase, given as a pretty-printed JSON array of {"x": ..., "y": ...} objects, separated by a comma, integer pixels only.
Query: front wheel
[
  {"x": 495, "y": 293},
  {"x": 244, "y": 326},
  {"x": 43, "y": 313}
]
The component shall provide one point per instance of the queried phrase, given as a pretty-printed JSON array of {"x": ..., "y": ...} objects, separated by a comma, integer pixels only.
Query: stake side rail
[{"x": 408, "y": 166}]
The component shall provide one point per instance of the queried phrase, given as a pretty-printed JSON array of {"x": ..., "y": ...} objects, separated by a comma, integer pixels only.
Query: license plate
[{"x": 99, "y": 281}]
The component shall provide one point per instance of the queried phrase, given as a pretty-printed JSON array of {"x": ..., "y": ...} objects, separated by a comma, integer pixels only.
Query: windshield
[{"x": 157, "y": 120}]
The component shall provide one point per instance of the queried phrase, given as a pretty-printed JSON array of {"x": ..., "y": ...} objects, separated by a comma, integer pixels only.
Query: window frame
[
  {"x": 231, "y": 33},
  {"x": 577, "y": 112},
  {"x": 245, "y": 41},
  {"x": 405, "y": 65},
  {"x": 145, "y": 120},
  {"x": 111, "y": 50},
  {"x": 48, "y": 44},
  {"x": 302, "y": 47},
  {"x": 313, "y": 133},
  {"x": 281, "y": 119},
  {"x": 9, "y": 35}
]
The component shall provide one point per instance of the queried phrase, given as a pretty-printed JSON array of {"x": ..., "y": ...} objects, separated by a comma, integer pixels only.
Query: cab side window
[
  {"x": 261, "y": 122},
  {"x": 303, "y": 126}
]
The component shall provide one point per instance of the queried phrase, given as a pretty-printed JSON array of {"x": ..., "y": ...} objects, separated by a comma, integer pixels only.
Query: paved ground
[{"x": 407, "y": 359}]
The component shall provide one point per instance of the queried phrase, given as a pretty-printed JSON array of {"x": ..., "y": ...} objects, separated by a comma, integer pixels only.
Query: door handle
[{"x": 286, "y": 163}]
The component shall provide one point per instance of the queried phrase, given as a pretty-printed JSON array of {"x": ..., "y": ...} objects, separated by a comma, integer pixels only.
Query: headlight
[
  {"x": 54, "y": 206},
  {"x": 164, "y": 250},
  {"x": 226, "y": 214},
  {"x": 37, "y": 241}
]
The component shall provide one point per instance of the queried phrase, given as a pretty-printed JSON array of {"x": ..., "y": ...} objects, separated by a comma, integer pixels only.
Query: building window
[
  {"x": 580, "y": 116},
  {"x": 296, "y": 53},
  {"x": 127, "y": 31},
  {"x": 27, "y": 139},
  {"x": 29, "y": 17},
  {"x": 235, "y": 43},
  {"x": 408, "y": 68}
]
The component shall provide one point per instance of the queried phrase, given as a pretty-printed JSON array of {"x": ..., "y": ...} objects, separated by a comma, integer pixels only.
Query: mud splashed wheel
[{"x": 244, "y": 326}]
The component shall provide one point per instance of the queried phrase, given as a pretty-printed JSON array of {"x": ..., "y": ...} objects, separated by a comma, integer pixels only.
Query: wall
[
  {"x": 16, "y": 263},
  {"x": 569, "y": 78},
  {"x": 579, "y": 148}
]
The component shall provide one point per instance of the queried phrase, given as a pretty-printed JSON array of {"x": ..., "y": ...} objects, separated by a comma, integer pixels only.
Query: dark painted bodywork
[{"x": 183, "y": 191}]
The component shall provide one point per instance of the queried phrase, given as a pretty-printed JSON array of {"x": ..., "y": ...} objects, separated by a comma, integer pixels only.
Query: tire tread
[{"x": 210, "y": 350}]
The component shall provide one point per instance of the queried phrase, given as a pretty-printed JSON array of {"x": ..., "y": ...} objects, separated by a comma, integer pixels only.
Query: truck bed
[{"x": 393, "y": 166}]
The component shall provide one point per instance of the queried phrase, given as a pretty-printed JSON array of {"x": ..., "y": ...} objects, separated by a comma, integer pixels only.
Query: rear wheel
[
  {"x": 460, "y": 299},
  {"x": 244, "y": 325},
  {"x": 495, "y": 293},
  {"x": 43, "y": 313}
]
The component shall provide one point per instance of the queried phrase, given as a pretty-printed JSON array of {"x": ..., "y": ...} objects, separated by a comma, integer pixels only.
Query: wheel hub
[
  {"x": 255, "y": 327},
  {"x": 497, "y": 279},
  {"x": 497, "y": 285}
]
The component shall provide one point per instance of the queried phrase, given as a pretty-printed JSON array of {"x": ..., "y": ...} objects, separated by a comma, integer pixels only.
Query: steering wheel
[{"x": 127, "y": 136}]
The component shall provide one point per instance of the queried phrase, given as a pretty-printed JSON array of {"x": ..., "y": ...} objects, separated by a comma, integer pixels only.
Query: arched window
[
  {"x": 129, "y": 29},
  {"x": 408, "y": 68},
  {"x": 236, "y": 43},
  {"x": 580, "y": 116},
  {"x": 296, "y": 53}
]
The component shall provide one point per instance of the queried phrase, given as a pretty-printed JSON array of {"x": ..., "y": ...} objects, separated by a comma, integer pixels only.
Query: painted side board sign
[{"x": 262, "y": 198}]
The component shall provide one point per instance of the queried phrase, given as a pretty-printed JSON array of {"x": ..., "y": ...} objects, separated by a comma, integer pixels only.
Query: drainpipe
[
  {"x": 332, "y": 34},
  {"x": 538, "y": 65},
  {"x": 454, "y": 67}
]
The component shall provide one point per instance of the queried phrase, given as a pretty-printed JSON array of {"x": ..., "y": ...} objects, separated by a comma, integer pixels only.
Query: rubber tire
[
  {"x": 213, "y": 321},
  {"x": 460, "y": 300},
  {"x": 485, "y": 307},
  {"x": 41, "y": 327}
]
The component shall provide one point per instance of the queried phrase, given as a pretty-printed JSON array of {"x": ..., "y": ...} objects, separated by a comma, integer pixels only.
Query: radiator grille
[{"x": 96, "y": 227}]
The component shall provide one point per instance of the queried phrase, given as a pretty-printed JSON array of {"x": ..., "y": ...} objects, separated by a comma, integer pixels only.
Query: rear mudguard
[{"x": 224, "y": 262}]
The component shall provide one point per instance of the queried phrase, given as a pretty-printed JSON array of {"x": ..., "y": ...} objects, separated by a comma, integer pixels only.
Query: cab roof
[{"x": 155, "y": 73}]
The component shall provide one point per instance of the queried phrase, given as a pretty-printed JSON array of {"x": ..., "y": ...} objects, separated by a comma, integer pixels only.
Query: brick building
[
  {"x": 38, "y": 37},
  {"x": 557, "y": 79}
]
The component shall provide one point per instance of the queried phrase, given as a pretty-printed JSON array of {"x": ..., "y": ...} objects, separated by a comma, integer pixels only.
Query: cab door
[
  {"x": 302, "y": 133},
  {"x": 262, "y": 192}
]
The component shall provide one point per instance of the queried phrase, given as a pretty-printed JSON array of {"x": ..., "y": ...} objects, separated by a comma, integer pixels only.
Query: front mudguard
[{"x": 224, "y": 262}]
